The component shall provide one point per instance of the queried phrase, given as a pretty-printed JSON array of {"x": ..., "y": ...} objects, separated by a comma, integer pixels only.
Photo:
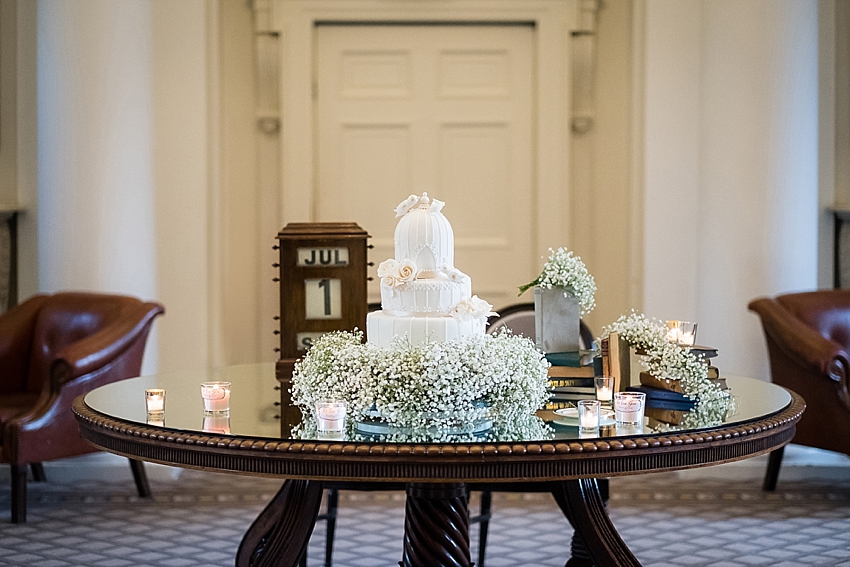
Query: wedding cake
[{"x": 423, "y": 296}]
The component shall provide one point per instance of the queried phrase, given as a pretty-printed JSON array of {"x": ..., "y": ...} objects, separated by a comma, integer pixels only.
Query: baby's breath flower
[
  {"x": 565, "y": 270},
  {"x": 669, "y": 361},
  {"x": 438, "y": 384}
]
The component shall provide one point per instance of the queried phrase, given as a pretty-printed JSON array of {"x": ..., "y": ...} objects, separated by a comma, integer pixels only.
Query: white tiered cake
[{"x": 423, "y": 296}]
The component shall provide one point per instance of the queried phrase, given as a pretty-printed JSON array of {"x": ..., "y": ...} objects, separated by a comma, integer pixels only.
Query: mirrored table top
[{"x": 253, "y": 412}]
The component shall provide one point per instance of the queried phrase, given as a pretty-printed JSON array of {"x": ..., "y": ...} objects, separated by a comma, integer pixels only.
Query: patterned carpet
[{"x": 197, "y": 519}]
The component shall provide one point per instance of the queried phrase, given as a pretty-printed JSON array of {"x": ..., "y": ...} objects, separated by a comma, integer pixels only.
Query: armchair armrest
[
  {"x": 104, "y": 346},
  {"x": 16, "y": 329},
  {"x": 800, "y": 342}
]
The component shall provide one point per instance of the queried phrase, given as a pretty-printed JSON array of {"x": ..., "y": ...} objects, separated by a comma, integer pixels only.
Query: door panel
[{"x": 442, "y": 109}]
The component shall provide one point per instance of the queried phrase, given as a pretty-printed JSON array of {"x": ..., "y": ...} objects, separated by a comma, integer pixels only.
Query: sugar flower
[
  {"x": 472, "y": 308},
  {"x": 406, "y": 205},
  {"x": 394, "y": 273}
]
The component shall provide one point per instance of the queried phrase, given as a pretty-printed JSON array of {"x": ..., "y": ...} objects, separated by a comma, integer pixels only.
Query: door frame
[{"x": 553, "y": 20}]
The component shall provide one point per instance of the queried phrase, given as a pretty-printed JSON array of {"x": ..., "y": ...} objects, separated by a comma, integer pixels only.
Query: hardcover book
[
  {"x": 662, "y": 404},
  {"x": 616, "y": 361},
  {"x": 653, "y": 394},
  {"x": 573, "y": 390},
  {"x": 647, "y": 379},
  {"x": 572, "y": 396},
  {"x": 575, "y": 358},
  {"x": 569, "y": 382},
  {"x": 571, "y": 372}
]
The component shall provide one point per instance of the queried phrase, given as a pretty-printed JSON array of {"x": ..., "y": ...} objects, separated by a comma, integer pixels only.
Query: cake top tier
[{"x": 424, "y": 236}]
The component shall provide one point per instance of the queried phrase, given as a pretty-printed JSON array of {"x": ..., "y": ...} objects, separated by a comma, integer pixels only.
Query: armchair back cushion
[{"x": 827, "y": 312}]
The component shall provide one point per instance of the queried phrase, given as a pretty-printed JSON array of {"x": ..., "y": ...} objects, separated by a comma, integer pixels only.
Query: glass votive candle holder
[
  {"x": 628, "y": 429},
  {"x": 687, "y": 333},
  {"x": 217, "y": 423},
  {"x": 588, "y": 414},
  {"x": 156, "y": 419},
  {"x": 155, "y": 401},
  {"x": 331, "y": 435},
  {"x": 629, "y": 407},
  {"x": 216, "y": 396},
  {"x": 604, "y": 389},
  {"x": 330, "y": 416},
  {"x": 587, "y": 433},
  {"x": 682, "y": 332}
]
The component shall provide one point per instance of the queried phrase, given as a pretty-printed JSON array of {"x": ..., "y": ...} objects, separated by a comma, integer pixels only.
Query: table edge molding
[{"x": 556, "y": 460}]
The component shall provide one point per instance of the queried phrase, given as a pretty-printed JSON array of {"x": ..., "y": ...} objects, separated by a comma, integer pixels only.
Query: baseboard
[
  {"x": 798, "y": 463},
  {"x": 97, "y": 466}
]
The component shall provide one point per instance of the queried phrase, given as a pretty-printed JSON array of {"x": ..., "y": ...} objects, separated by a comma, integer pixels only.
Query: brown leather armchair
[
  {"x": 808, "y": 338},
  {"x": 54, "y": 348}
]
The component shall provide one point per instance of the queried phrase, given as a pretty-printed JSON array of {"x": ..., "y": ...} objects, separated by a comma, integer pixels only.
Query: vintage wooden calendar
[{"x": 322, "y": 289}]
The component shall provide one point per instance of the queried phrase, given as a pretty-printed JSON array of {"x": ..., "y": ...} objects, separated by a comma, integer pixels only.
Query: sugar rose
[
  {"x": 387, "y": 271},
  {"x": 406, "y": 271}
]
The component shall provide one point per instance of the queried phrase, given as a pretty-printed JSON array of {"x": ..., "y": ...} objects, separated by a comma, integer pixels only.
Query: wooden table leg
[
  {"x": 584, "y": 508},
  {"x": 279, "y": 535},
  {"x": 436, "y": 526}
]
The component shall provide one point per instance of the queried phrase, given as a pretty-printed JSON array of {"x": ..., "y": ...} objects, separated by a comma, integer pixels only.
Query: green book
[{"x": 575, "y": 358}]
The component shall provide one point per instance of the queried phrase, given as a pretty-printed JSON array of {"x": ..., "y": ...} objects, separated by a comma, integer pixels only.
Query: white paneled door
[{"x": 445, "y": 109}]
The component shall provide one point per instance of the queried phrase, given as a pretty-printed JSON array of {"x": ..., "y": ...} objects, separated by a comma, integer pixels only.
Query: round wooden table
[{"x": 437, "y": 475}]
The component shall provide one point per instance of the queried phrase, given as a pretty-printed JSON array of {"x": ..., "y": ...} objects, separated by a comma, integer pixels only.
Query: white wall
[
  {"x": 731, "y": 165},
  {"x": 123, "y": 153},
  {"x": 95, "y": 147},
  {"x": 672, "y": 158},
  {"x": 18, "y": 136},
  {"x": 730, "y": 95},
  {"x": 8, "y": 104},
  {"x": 602, "y": 228},
  {"x": 182, "y": 153}
]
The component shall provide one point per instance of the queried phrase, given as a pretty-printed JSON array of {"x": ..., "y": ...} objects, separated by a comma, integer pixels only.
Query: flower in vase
[{"x": 564, "y": 269}]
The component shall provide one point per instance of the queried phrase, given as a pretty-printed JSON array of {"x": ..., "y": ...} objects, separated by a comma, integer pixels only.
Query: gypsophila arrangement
[
  {"x": 439, "y": 384},
  {"x": 669, "y": 361},
  {"x": 707, "y": 413},
  {"x": 563, "y": 269},
  {"x": 522, "y": 428}
]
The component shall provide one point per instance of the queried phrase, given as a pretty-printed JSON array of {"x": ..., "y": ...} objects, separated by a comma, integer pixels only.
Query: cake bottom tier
[{"x": 382, "y": 328}]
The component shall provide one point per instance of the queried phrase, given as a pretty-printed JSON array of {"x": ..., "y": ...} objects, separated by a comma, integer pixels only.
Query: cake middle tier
[
  {"x": 431, "y": 296},
  {"x": 382, "y": 328}
]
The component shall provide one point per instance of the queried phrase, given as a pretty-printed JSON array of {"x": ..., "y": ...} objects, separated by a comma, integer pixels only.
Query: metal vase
[{"x": 556, "y": 320}]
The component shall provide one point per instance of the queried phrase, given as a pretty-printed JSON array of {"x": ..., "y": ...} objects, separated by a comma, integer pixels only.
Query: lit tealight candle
[
  {"x": 217, "y": 424},
  {"x": 588, "y": 414},
  {"x": 687, "y": 333},
  {"x": 216, "y": 396},
  {"x": 589, "y": 421},
  {"x": 330, "y": 415},
  {"x": 673, "y": 331},
  {"x": 155, "y": 400},
  {"x": 604, "y": 388},
  {"x": 682, "y": 332},
  {"x": 687, "y": 339}
]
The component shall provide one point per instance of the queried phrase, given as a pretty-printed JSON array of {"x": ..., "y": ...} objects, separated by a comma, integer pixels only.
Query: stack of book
[
  {"x": 706, "y": 353},
  {"x": 667, "y": 404},
  {"x": 665, "y": 399},
  {"x": 571, "y": 378}
]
